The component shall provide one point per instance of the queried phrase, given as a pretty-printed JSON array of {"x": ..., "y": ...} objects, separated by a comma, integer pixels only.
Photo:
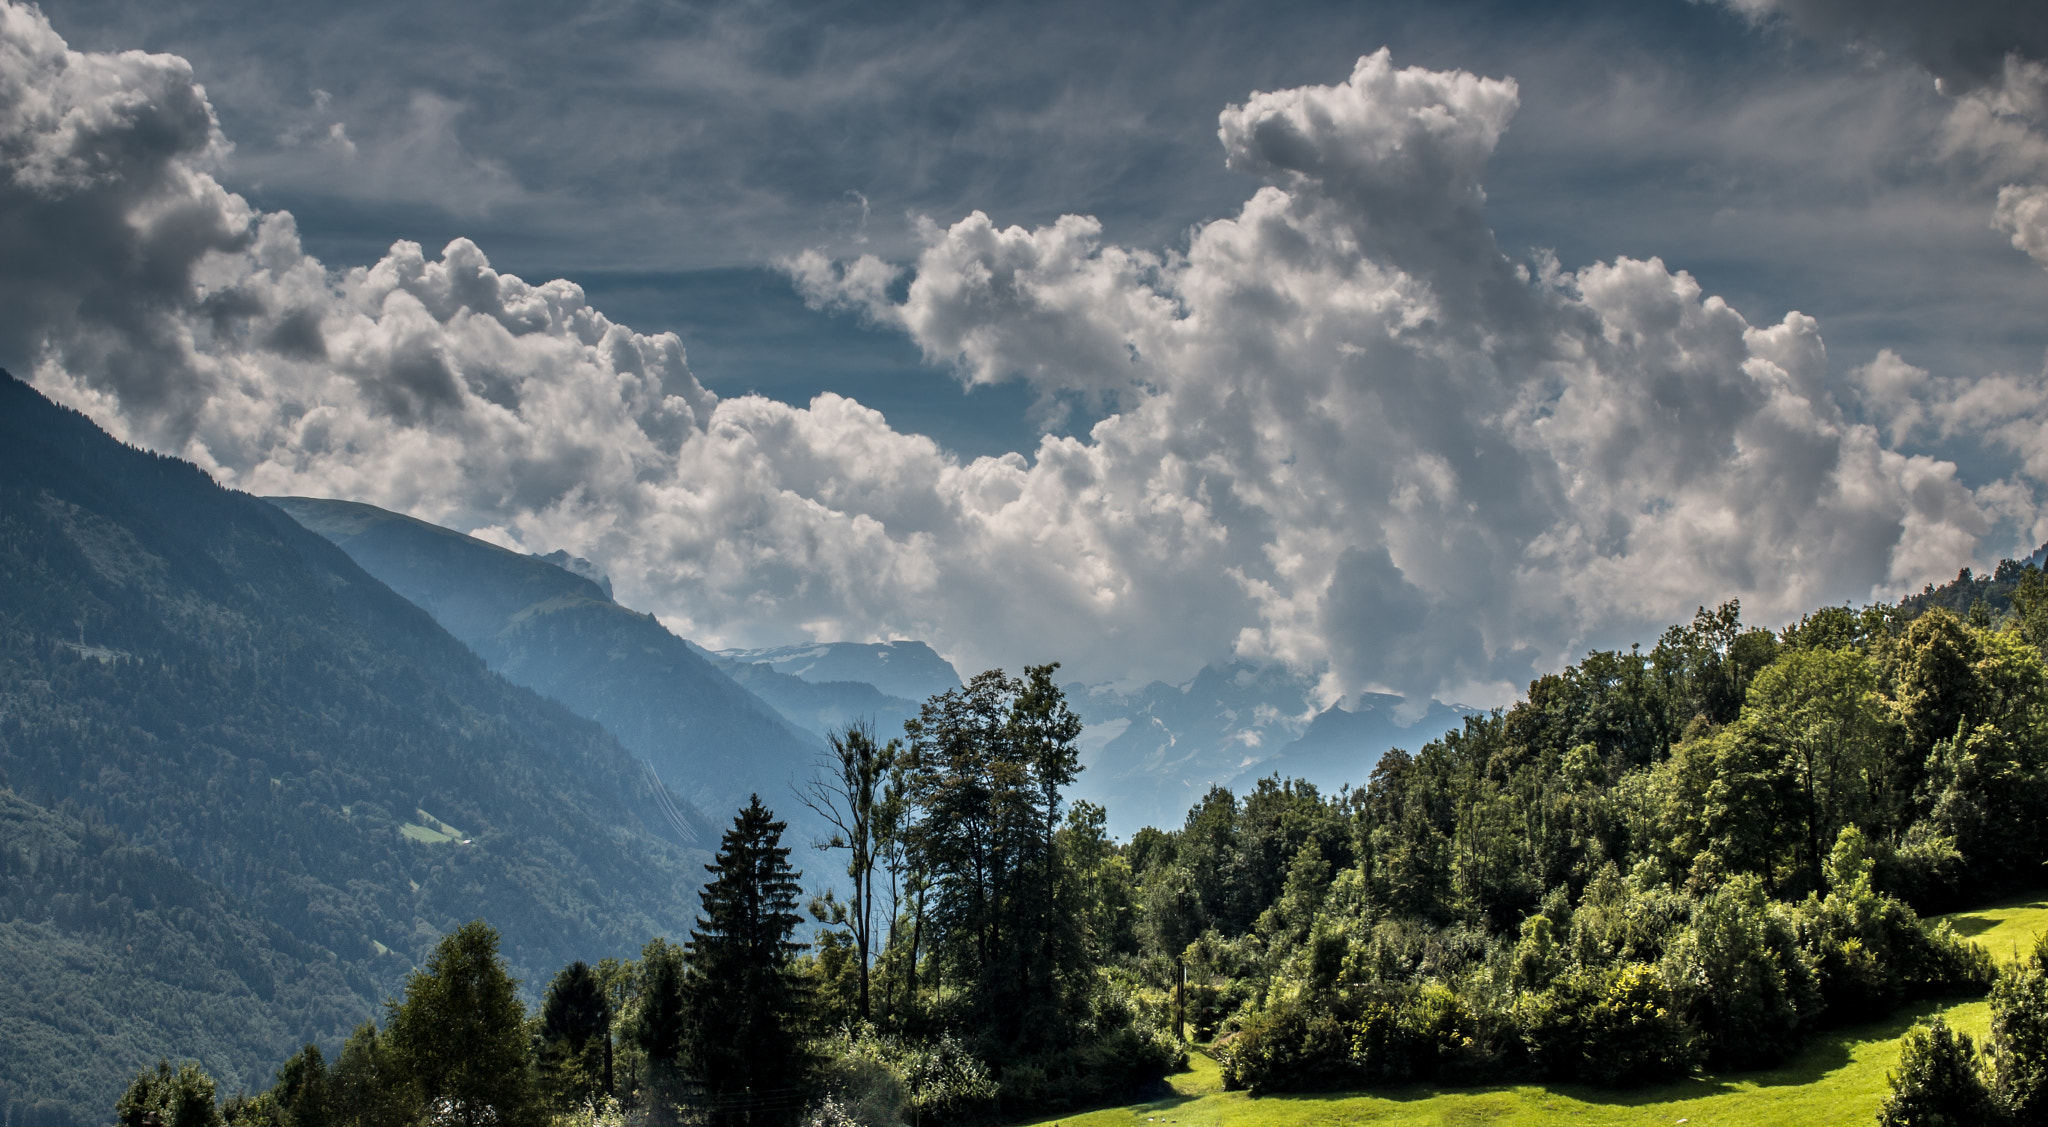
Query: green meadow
[{"x": 1839, "y": 1079}]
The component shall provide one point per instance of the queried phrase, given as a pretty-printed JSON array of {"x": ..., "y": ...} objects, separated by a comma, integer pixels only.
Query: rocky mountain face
[{"x": 825, "y": 686}]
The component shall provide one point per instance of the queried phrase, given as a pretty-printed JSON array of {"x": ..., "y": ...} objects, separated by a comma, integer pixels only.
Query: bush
[
  {"x": 1869, "y": 949},
  {"x": 861, "y": 1084},
  {"x": 1382, "y": 1035},
  {"x": 2019, "y": 1036},
  {"x": 881, "y": 1081},
  {"x": 1113, "y": 1066},
  {"x": 1290, "y": 1047},
  {"x": 1738, "y": 976},
  {"x": 1937, "y": 1083},
  {"x": 1614, "y": 1026}
]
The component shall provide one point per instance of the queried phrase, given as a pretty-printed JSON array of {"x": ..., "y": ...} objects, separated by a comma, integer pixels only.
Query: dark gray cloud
[
  {"x": 1963, "y": 42},
  {"x": 1339, "y": 428},
  {"x": 102, "y": 216},
  {"x": 674, "y": 138}
]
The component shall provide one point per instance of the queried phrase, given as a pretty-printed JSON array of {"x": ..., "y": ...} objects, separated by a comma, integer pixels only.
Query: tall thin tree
[
  {"x": 575, "y": 1037},
  {"x": 746, "y": 1003},
  {"x": 846, "y": 791}
]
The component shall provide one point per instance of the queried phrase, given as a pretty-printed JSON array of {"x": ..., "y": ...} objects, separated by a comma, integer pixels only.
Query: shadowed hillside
[
  {"x": 558, "y": 633},
  {"x": 247, "y": 786}
]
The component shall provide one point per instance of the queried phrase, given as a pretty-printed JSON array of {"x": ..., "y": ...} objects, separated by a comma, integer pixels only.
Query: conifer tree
[
  {"x": 744, "y": 999},
  {"x": 660, "y": 1027},
  {"x": 575, "y": 1037}
]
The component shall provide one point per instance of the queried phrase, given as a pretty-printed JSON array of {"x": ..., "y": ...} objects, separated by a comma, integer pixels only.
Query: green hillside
[
  {"x": 557, "y": 633},
  {"x": 110, "y": 953},
  {"x": 1839, "y": 1077},
  {"x": 214, "y": 730}
]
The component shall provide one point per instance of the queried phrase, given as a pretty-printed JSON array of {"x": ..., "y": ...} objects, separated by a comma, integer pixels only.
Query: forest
[
  {"x": 228, "y": 759},
  {"x": 1659, "y": 861}
]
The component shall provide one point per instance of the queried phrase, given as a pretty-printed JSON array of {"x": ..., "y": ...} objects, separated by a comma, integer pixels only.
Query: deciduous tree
[{"x": 460, "y": 1033}]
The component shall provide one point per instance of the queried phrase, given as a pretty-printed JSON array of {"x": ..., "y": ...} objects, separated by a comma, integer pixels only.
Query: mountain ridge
[
  {"x": 556, "y": 632},
  {"x": 229, "y": 697}
]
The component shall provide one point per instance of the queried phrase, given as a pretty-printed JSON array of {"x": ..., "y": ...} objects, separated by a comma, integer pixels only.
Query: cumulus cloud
[
  {"x": 1343, "y": 431},
  {"x": 105, "y": 208},
  {"x": 1432, "y": 463}
]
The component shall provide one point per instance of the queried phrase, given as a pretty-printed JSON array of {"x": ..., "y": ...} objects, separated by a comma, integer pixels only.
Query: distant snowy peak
[
  {"x": 911, "y": 670},
  {"x": 1153, "y": 751},
  {"x": 577, "y": 565}
]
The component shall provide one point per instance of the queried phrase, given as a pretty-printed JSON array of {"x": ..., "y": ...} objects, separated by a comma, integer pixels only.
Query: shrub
[
  {"x": 881, "y": 1081},
  {"x": 1738, "y": 976},
  {"x": 1937, "y": 1083},
  {"x": 1615, "y": 1025},
  {"x": 1290, "y": 1047},
  {"x": 1869, "y": 949},
  {"x": 2019, "y": 1036}
]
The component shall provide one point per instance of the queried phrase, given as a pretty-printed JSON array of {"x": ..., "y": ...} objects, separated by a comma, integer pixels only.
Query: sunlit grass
[
  {"x": 433, "y": 832},
  {"x": 1838, "y": 1079}
]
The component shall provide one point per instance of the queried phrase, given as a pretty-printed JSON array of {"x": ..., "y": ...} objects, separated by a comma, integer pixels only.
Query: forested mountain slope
[
  {"x": 210, "y": 714},
  {"x": 1979, "y": 598},
  {"x": 557, "y": 633},
  {"x": 112, "y": 955}
]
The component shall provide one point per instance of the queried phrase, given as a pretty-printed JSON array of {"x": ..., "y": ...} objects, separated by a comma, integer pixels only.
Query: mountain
[
  {"x": 1341, "y": 746},
  {"x": 1153, "y": 752},
  {"x": 906, "y": 670},
  {"x": 822, "y": 707},
  {"x": 548, "y": 626},
  {"x": 577, "y": 565},
  {"x": 245, "y": 787}
]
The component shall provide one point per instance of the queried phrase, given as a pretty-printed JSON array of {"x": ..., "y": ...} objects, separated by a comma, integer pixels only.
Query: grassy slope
[{"x": 1839, "y": 1079}]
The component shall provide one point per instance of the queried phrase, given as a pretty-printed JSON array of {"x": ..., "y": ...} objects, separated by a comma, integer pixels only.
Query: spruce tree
[
  {"x": 660, "y": 1027},
  {"x": 745, "y": 1001},
  {"x": 576, "y": 1038}
]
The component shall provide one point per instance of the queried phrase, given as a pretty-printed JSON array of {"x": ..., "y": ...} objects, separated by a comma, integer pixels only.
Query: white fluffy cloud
[{"x": 1345, "y": 431}]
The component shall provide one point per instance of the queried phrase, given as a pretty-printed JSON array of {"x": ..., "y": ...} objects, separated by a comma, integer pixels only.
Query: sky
[{"x": 1416, "y": 346}]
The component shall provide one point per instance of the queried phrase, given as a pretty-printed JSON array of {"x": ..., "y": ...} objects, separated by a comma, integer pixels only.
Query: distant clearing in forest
[
  {"x": 434, "y": 832},
  {"x": 1838, "y": 1079}
]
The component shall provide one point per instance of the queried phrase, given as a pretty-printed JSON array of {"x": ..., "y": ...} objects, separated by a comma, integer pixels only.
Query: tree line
[
  {"x": 1661, "y": 860},
  {"x": 967, "y": 949}
]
